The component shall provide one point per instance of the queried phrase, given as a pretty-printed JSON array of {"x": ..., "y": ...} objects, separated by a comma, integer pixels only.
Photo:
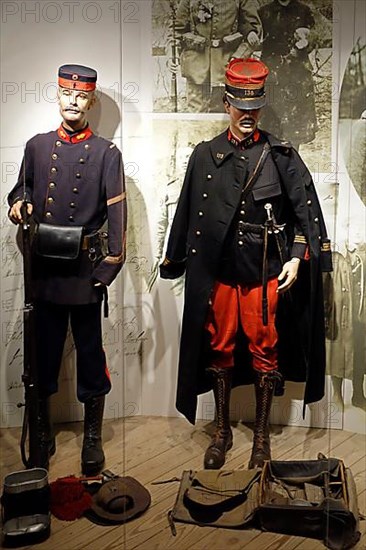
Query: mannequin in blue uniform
[{"x": 70, "y": 178}]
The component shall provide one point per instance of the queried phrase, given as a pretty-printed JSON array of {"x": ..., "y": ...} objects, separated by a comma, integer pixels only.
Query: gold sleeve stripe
[
  {"x": 300, "y": 239},
  {"x": 114, "y": 259},
  {"x": 325, "y": 247},
  {"x": 118, "y": 198}
]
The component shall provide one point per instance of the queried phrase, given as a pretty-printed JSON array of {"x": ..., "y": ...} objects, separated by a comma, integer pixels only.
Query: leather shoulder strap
[{"x": 253, "y": 178}]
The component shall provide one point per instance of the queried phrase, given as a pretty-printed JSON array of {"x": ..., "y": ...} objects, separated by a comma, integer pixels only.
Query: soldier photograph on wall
[
  {"x": 352, "y": 115},
  {"x": 346, "y": 296},
  {"x": 193, "y": 40}
]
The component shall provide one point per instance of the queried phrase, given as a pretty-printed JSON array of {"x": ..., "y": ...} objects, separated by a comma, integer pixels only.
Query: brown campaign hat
[
  {"x": 77, "y": 77},
  {"x": 244, "y": 83},
  {"x": 118, "y": 501}
]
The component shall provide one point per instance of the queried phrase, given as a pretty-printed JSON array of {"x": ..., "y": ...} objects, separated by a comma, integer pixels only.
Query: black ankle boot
[
  {"x": 92, "y": 455},
  {"x": 46, "y": 439},
  {"x": 222, "y": 440},
  {"x": 265, "y": 384}
]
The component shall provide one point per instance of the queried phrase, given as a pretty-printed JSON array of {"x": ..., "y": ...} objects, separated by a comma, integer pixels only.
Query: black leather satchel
[{"x": 58, "y": 242}]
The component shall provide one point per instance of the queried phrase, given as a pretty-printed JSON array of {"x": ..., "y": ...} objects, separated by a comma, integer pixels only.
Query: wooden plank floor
[{"x": 155, "y": 448}]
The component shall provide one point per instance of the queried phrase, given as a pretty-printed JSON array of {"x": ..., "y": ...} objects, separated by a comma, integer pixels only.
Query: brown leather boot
[
  {"x": 264, "y": 389},
  {"x": 222, "y": 440}
]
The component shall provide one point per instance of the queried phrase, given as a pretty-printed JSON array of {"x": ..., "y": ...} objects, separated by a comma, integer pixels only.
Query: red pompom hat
[{"x": 244, "y": 83}]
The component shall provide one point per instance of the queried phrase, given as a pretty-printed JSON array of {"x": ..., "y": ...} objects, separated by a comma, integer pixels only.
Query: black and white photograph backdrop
[
  {"x": 160, "y": 70},
  {"x": 193, "y": 40}
]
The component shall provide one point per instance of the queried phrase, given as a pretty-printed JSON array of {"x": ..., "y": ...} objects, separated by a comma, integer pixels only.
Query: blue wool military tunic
[{"x": 74, "y": 180}]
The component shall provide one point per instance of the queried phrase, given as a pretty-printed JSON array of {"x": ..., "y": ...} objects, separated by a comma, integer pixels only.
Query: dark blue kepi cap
[{"x": 77, "y": 77}]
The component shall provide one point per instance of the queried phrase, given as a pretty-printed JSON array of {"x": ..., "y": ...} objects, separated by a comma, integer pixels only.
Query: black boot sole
[{"x": 92, "y": 469}]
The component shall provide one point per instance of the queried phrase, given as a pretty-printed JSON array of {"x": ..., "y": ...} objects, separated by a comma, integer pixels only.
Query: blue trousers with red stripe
[{"x": 51, "y": 326}]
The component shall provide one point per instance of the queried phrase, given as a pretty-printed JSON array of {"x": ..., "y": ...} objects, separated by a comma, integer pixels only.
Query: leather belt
[{"x": 251, "y": 227}]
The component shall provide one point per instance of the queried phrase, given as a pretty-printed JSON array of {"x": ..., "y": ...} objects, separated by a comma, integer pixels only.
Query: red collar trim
[
  {"x": 244, "y": 143},
  {"x": 75, "y": 138}
]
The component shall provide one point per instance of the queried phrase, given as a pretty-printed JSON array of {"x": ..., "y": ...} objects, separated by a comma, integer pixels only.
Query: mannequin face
[
  {"x": 242, "y": 121},
  {"x": 74, "y": 105}
]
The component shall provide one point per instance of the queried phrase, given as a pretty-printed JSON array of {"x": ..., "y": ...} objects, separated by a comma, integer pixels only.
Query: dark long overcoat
[{"x": 210, "y": 196}]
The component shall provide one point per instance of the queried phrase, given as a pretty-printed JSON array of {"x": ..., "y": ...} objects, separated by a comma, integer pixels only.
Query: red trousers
[{"x": 230, "y": 306}]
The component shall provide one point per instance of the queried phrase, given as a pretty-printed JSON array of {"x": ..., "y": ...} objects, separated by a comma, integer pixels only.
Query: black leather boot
[
  {"x": 264, "y": 389},
  {"x": 46, "y": 439},
  {"x": 222, "y": 440},
  {"x": 92, "y": 455}
]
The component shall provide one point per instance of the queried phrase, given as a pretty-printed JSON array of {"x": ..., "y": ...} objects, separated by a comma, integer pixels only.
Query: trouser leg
[
  {"x": 216, "y": 103},
  {"x": 51, "y": 330},
  {"x": 93, "y": 382},
  {"x": 262, "y": 339},
  {"x": 246, "y": 301},
  {"x": 198, "y": 97},
  {"x": 93, "y": 377},
  {"x": 221, "y": 324},
  {"x": 51, "y": 322},
  {"x": 337, "y": 383},
  {"x": 359, "y": 361},
  {"x": 46, "y": 438},
  {"x": 263, "y": 347}
]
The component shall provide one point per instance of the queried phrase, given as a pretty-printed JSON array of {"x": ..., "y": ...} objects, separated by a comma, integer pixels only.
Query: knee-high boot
[
  {"x": 92, "y": 455},
  {"x": 264, "y": 389},
  {"x": 222, "y": 440},
  {"x": 46, "y": 439}
]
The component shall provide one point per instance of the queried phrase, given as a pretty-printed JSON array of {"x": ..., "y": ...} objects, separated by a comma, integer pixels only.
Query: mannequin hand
[
  {"x": 288, "y": 274},
  {"x": 253, "y": 39},
  {"x": 15, "y": 214}
]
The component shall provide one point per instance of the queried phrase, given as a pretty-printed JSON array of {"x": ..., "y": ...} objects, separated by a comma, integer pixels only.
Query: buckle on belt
[{"x": 215, "y": 43}]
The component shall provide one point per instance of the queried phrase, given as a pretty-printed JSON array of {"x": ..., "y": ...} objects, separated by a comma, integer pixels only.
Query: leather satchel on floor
[{"x": 308, "y": 498}]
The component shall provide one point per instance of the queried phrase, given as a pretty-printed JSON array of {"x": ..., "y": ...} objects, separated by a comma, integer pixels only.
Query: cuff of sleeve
[
  {"x": 21, "y": 198},
  {"x": 326, "y": 256},
  {"x": 299, "y": 248},
  {"x": 172, "y": 270},
  {"x": 106, "y": 272}
]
